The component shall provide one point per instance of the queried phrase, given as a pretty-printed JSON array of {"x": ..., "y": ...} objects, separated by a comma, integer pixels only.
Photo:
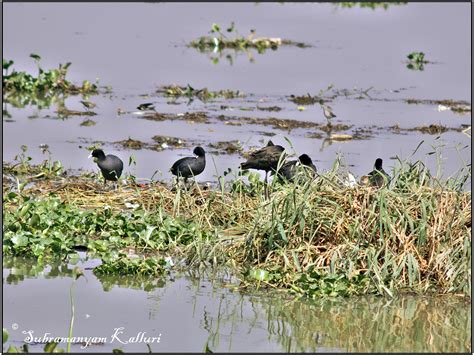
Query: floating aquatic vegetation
[
  {"x": 416, "y": 61},
  {"x": 220, "y": 44},
  {"x": 269, "y": 108},
  {"x": 62, "y": 111},
  {"x": 320, "y": 98},
  {"x": 305, "y": 99},
  {"x": 429, "y": 129},
  {"x": 219, "y": 41},
  {"x": 131, "y": 266},
  {"x": 280, "y": 123},
  {"x": 229, "y": 147},
  {"x": 162, "y": 142},
  {"x": 193, "y": 117},
  {"x": 368, "y": 5},
  {"x": 458, "y": 106},
  {"x": 202, "y": 94},
  {"x": 49, "y": 86},
  {"x": 131, "y": 143},
  {"x": 165, "y": 141},
  {"x": 88, "y": 123}
]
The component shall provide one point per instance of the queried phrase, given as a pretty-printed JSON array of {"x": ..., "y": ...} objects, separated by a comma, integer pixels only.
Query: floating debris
[
  {"x": 88, "y": 123},
  {"x": 230, "y": 147},
  {"x": 463, "y": 107},
  {"x": 305, "y": 99},
  {"x": 430, "y": 129},
  {"x": 165, "y": 141},
  {"x": 202, "y": 94},
  {"x": 269, "y": 108},
  {"x": 195, "y": 117},
  {"x": 64, "y": 112},
  {"x": 341, "y": 137},
  {"x": 131, "y": 143}
]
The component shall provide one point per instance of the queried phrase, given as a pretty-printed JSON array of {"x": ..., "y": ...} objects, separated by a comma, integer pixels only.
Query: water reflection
[
  {"x": 406, "y": 324},
  {"x": 216, "y": 317}
]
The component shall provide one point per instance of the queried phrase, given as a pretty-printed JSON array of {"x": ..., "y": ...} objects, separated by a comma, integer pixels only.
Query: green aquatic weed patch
[
  {"x": 48, "y": 227},
  {"x": 49, "y": 86},
  {"x": 203, "y": 94},
  {"x": 219, "y": 41},
  {"x": 135, "y": 266},
  {"x": 416, "y": 61}
]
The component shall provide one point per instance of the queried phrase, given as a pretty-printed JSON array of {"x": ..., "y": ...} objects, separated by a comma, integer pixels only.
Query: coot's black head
[
  {"x": 98, "y": 154},
  {"x": 199, "y": 151},
  {"x": 270, "y": 143},
  {"x": 305, "y": 159},
  {"x": 378, "y": 164}
]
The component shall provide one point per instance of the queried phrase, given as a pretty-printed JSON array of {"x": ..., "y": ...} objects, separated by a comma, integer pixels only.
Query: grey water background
[
  {"x": 135, "y": 48},
  {"x": 191, "y": 311}
]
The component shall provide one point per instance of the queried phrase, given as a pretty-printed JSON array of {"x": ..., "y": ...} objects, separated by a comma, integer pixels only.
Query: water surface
[
  {"x": 146, "y": 48},
  {"x": 191, "y": 310}
]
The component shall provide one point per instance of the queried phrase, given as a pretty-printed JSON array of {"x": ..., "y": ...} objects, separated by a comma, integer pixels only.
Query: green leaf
[
  {"x": 19, "y": 240},
  {"x": 49, "y": 347},
  {"x": 215, "y": 28},
  {"x": 206, "y": 348},
  {"x": 5, "y": 335},
  {"x": 281, "y": 230},
  {"x": 12, "y": 349},
  {"x": 260, "y": 275},
  {"x": 35, "y": 56},
  {"x": 7, "y": 64},
  {"x": 231, "y": 28}
]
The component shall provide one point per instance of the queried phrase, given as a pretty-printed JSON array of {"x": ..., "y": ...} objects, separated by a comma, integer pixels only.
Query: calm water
[
  {"x": 135, "y": 48},
  {"x": 188, "y": 311}
]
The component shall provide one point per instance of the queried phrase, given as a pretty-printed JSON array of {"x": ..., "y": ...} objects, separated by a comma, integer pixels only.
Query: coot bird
[
  {"x": 110, "y": 165},
  {"x": 266, "y": 159},
  {"x": 378, "y": 177},
  {"x": 289, "y": 170},
  {"x": 190, "y": 166}
]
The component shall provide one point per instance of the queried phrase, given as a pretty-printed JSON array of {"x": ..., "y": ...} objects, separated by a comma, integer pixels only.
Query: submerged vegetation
[{"x": 318, "y": 238}]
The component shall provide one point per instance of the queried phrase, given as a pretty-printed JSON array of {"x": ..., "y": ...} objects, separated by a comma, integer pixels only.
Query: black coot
[
  {"x": 378, "y": 177},
  {"x": 190, "y": 166},
  {"x": 290, "y": 168},
  {"x": 110, "y": 165}
]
